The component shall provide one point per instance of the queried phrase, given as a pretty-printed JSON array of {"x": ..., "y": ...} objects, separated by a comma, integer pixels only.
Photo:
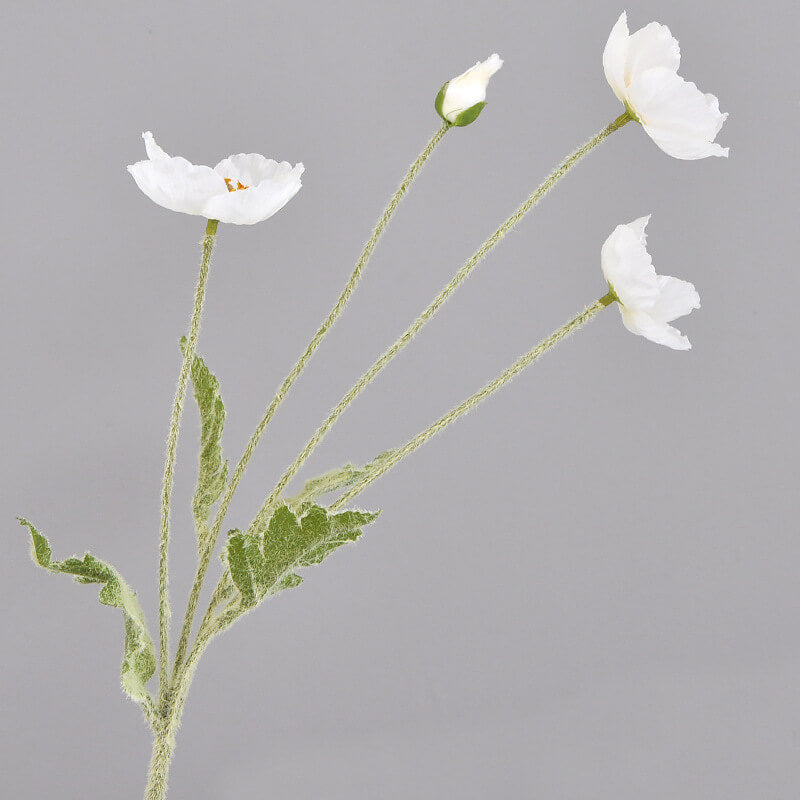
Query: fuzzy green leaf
[
  {"x": 263, "y": 563},
  {"x": 212, "y": 471},
  {"x": 139, "y": 658},
  {"x": 333, "y": 480}
]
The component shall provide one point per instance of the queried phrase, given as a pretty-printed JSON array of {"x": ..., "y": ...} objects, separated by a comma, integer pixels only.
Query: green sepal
[
  {"x": 439, "y": 101},
  {"x": 468, "y": 116},
  {"x": 264, "y": 562},
  {"x": 212, "y": 469},
  {"x": 139, "y": 656}
]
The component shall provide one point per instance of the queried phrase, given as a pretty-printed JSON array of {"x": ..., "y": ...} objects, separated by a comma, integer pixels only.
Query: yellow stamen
[{"x": 239, "y": 185}]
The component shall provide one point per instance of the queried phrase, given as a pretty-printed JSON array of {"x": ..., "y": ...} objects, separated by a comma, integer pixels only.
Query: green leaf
[
  {"x": 212, "y": 471},
  {"x": 334, "y": 480},
  {"x": 468, "y": 116},
  {"x": 242, "y": 560},
  {"x": 139, "y": 658},
  {"x": 263, "y": 563}
]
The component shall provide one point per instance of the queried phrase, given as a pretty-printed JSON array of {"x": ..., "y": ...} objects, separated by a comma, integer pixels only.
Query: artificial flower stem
[
  {"x": 164, "y": 742},
  {"x": 213, "y": 624},
  {"x": 490, "y": 388},
  {"x": 169, "y": 466},
  {"x": 208, "y": 548},
  {"x": 552, "y": 179}
]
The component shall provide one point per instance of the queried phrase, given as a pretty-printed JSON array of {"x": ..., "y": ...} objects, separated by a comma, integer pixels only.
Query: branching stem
[
  {"x": 467, "y": 405},
  {"x": 207, "y": 548},
  {"x": 169, "y": 465},
  {"x": 552, "y": 179}
]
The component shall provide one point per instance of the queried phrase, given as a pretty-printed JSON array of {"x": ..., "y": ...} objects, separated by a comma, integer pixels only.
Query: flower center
[{"x": 232, "y": 188}]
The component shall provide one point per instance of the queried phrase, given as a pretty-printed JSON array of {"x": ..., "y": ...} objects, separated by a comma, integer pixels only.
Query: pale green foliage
[
  {"x": 139, "y": 658},
  {"x": 336, "y": 479},
  {"x": 212, "y": 470},
  {"x": 262, "y": 562}
]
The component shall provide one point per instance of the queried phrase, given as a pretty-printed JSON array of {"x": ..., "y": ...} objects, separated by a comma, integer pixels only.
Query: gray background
[{"x": 586, "y": 589}]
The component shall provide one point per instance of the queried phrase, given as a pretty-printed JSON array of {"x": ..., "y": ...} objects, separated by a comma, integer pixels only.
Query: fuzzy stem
[
  {"x": 490, "y": 388},
  {"x": 169, "y": 467},
  {"x": 164, "y": 742},
  {"x": 552, "y": 179},
  {"x": 208, "y": 547},
  {"x": 160, "y": 760}
]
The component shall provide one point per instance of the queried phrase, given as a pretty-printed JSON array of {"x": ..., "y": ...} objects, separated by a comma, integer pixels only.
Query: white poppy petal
[
  {"x": 248, "y": 206},
  {"x": 615, "y": 55},
  {"x": 642, "y": 69},
  {"x": 251, "y": 168},
  {"x": 649, "y": 47},
  {"x": 647, "y": 302},
  {"x": 638, "y": 226},
  {"x": 676, "y": 298},
  {"x": 627, "y": 265},
  {"x": 469, "y": 88},
  {"x": 177, "y": 184},
  {"x": 642, "y": 324},
  {"x": 676, "y": 115},
  {"x": 154, "y": 152}
]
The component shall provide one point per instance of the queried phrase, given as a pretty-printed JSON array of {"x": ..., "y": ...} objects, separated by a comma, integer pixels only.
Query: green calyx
[
  {"x": 469, "y": 116},
  {"x": 437, "y": 103},
  {"x": 464, "y": 118},
  {"x": 611, "y": 297},
  {"x": 632, "y": 114}
]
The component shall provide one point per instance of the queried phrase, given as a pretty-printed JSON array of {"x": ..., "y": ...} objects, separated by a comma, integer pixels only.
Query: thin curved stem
[
  {"x": 555, "y": 176},
  {"x": 208, "y": 547},
  {"x": 169, "y": 466},
  {"x": 490, "y": 388}
]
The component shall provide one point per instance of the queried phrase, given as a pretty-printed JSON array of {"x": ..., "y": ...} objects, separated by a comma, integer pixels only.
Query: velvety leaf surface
[
  {"x": 333, "y": 480},
  {"x": 139, "y": 659},
  {"x": 212, "y": 471},
  {"x": 265, "y": 562}
]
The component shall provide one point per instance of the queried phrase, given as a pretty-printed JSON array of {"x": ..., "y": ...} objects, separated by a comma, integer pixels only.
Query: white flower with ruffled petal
[
  {"x": 242, "y": 189},
  {"x": 642, "y": 69},
  {"x": 647, "y": 301},
  {"x": 461, "y": 99}
]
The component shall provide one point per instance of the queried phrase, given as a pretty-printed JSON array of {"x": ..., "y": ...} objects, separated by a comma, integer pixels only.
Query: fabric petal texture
[
  {"x": 650, "y": 47},
  {"x": 615, "y": 56},
  {"x": 647, "y": 301},
  {"x": 242, "y": 189},
  {"x": 174, "y": 183},
  {"x": 259, "y": 202},
  {"x": 677, "y": 116},
  {"x": 627, "y": 265},
  {"x": 642, "y": 70}
]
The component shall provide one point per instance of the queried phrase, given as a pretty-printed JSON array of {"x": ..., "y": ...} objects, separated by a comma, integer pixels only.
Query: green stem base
[{"x": 160, "y": 761}]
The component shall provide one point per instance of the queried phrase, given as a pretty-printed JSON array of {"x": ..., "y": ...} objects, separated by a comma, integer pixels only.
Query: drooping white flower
[
  {"x": 242, "y": 189},
  {"x": 461, "y": 99},
  {"x": 642, "y": 69},
  {"x": 647, "y": 301}
]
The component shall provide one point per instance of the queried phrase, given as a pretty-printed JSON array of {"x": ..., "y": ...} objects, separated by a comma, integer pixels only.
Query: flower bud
[{"x": 461, "y": 99}]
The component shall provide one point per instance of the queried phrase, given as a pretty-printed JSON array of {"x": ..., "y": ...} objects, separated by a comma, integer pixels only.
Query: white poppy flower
[
  {"x": 461, "y": 99},
  {"x": 642, "y": 69},
  {"x": 242, "y": 189},
  {"x": 647, "y": 301}
]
